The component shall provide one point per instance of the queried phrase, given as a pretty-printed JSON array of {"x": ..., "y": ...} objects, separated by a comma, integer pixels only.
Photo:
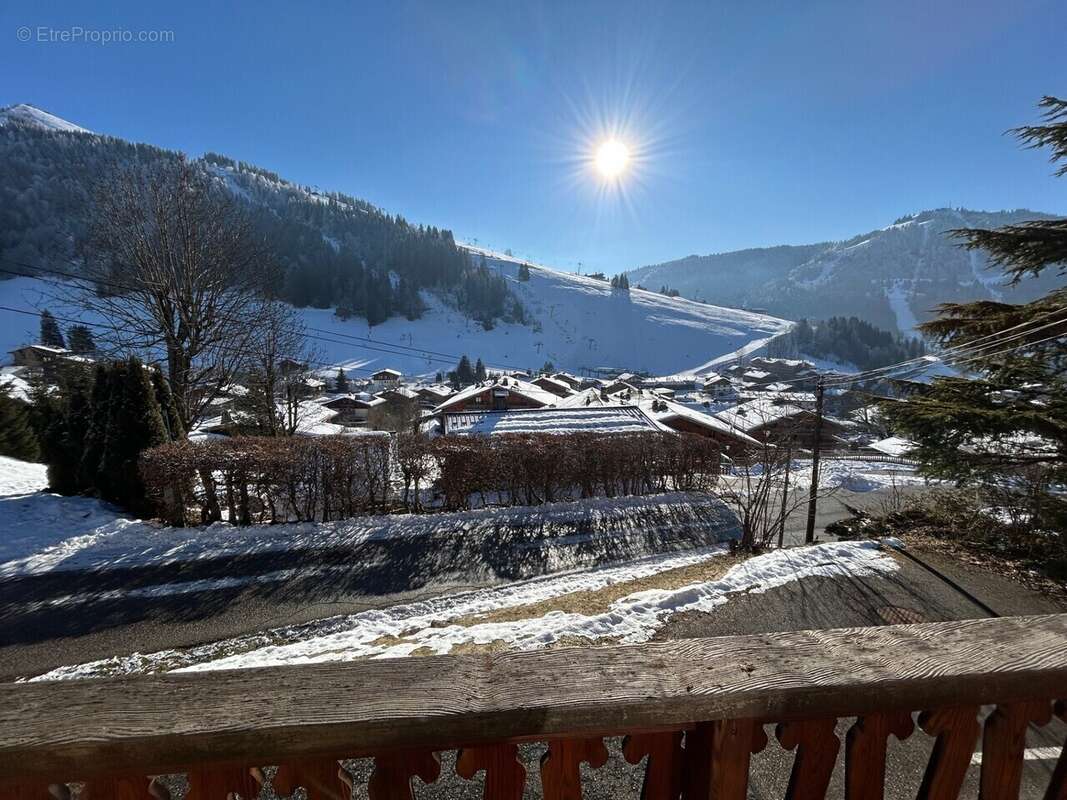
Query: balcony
[{"x": 693, "y": 712}]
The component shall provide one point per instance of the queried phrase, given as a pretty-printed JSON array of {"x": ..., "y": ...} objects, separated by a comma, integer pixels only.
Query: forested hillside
[
  {"x": 846, "y": 340},
  {"x": 334, "y": 251}
]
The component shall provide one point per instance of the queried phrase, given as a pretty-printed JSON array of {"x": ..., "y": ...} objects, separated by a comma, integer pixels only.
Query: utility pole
[
  {"x": 785, "y": 492},
  {"x": 813, "y": 496}
]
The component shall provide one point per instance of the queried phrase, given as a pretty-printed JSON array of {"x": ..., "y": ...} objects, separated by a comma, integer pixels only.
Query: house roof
[
  {"x": 554, "y": 382},
  {"x": 893, "y": 446},
  {"x": 388, "y": 371},
  {"x": 603, "y": 420},
  {"x": 759, "y": 412},
  {"x": 44, "y": 348},
  {"x": 513, "y": 385}
]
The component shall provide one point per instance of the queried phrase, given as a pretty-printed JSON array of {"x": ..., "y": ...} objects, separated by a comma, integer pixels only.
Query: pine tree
[
  {"x": 524, "y": 272},
  {"x": 464, "y": 371},
  {"x": 479, "y": 372},
  {"x": 81, "y": 339},
  {"x": 1008, "y": 426},
  {"x": 17, "y": 437},
  {"x": 90, "y": 468},
  {"x": 341, "y": 382},
  {"x": 51, "y": 335}
]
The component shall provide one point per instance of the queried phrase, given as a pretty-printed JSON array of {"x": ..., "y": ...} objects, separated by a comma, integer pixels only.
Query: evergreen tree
[
  {"x": 17, "y": 437},
  {"x": 90, "y": 473},
  {"x": 134, "y": 424},
  {"x": 1008, "y": 426},
  {"x": 51, "y": 335},
  {"x": 479, "y": 372},
  {"x": 61, "y": 418},
  {"x": 524, "y": 272},
  {"x": 464, "y": 372},
  {"x": 81, "y": 339},
  {"x": 341, "y": 382}
]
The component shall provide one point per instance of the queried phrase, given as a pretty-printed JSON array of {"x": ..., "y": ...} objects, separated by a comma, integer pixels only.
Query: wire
[
  {"x": 396, "y": 349},
  {"x": 422, "y": 351}
]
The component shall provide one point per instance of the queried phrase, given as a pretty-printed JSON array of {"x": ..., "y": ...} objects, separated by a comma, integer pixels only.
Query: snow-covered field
[
  {"x": 577, "y": 323},
  {"x": 442, "y": 624}
]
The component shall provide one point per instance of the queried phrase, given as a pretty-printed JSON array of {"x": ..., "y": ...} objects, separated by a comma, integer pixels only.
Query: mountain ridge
[{"x": 893, "y": 277}]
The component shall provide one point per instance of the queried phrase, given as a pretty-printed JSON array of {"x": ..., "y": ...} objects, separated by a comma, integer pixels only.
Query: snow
[
  {"x": 25, "y": 114},
  {"x": 613, "y": 420},
  {"x": 47, "y": 532},
  {"x": 577, "y": 323},
  {"x": 432, "y": 625},
  {"x": 893, "y": 446},
  {"x": 897, "y": 296},
  {"x": 14, "y": 382}
]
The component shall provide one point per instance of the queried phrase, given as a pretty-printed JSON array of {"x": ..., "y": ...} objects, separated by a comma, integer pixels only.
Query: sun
[{"x": 612, "y": 158}]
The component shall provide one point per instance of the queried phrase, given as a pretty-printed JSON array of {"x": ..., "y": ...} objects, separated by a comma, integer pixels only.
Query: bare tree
[
  {"x": 762, "y": 486},
  {"x": 278, "y": 360},
  {"x": 177, "y": 269}
]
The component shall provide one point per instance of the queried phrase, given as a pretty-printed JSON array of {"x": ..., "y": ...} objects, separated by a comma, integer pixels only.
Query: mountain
[
  {"x": 415, "y": 297},
  {"x": 892, "y": 277},
  {"x": 27, "y": 115}
]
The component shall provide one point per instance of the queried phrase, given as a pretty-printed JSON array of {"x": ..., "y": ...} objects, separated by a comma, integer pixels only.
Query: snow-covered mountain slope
[
  {"x": 893, "y": 277},
  {"x": 577, "y": 323},
  {"x": 25, "y": 114}
]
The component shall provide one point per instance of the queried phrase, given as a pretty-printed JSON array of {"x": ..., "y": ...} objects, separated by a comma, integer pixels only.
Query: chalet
[
  {"x": 573, "y": 381},
  {"x": 351, "y": 410},
  {"x": 431, "y": 396},
  {"x": 719, "y": 386},
  {"x": 676, "y": 383},
  {"x": 291, "y": 366},
  {"x": 387, "y": 377},
  {"x": 775, "y": 419},
  {"x": 38, "y": 355},
  {"x": 557, "y": 387},
  {"x": 499, "y": 394},
  {"x": 893, "y": 446},
  {"x": 607, "y": 420}
]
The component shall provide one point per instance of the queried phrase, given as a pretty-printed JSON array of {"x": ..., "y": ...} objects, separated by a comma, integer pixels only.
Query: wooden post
[{"x": 813, "y": 493}]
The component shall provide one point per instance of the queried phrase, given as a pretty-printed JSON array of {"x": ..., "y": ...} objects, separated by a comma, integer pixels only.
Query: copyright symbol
[{"x": 23, "y": 34}]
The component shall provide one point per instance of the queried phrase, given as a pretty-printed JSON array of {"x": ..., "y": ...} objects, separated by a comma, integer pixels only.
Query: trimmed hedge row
[{"x": 262, "y": 479}]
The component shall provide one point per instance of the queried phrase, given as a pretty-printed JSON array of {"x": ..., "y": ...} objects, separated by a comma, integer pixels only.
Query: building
[
  {"x": 557, "y": 387},
  {"x": 609, "y": 420},
  {"x": 775, "y": 420},
  {"x": 351, "y": 410},
  {"x": 38, "y": 355},
  {"x": 387, "y": 377},
  {"x": 499, "y": 394}
]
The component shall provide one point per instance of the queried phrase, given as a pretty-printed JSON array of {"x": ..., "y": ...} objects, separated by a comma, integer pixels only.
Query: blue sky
[{"x": 751, "y": 123}]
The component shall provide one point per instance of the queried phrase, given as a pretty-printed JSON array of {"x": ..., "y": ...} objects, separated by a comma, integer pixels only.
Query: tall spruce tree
[
  {"x": 479, "y": 372},
  {"x": 51, "y": 335},
  {"x": 17, "y": 437},
  {"x": 341, "y": 382},
  {"x": 1008, "y": 425},
  {"x": 80, "y": 339},
  {"x": 464, "y": 371}
]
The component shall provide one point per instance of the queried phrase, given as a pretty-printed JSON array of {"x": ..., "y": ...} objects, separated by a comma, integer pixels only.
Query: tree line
[{"x": 848, "y": 340}]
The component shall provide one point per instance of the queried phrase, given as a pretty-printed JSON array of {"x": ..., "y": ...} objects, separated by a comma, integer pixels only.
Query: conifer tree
[
  {"x": 341, "y": 382},
  {"x": 524, "y": 272},
  {"x": 479, "y": 372},
  {"x": 51, "y": 335},
  {"x": 80, "y": 339},
  {"x": 95, "y": 433},
  {"x": 1008, "y": 425},
  {"x": 17, "y": 437},
  {"x": 464, "y": 372}
]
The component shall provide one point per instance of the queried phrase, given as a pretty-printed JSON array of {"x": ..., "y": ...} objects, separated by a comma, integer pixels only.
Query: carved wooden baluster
[
  {"x": 817, "y": 746},
  {"x": 222, "y": 783},
  {"x": 505, "y": 776},
  {"x": 34, "y": 791},
  {"x": 1057, "y": 785},
  {"x": 561, "y": 776},
  {"x": 957, "y": 731},
  {"x": 391, "y": 778},
  {"x": 1003, "y": 743},
  {"x": 717, "y": 756},
  {"x": 865, "y": 753},
  {"x": 124, "y": 788},
  {"x": 322, "y": 778},
  {"x": 663, "y": 773}
]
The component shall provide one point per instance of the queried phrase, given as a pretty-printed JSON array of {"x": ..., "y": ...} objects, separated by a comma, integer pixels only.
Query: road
[{"x": 41, "y": 633}]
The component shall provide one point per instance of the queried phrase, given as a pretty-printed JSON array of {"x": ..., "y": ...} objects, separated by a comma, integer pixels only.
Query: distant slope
[
  {"x": 893, "y": 277},
  {"x": 25, "y": 114},
  {"x": 577, "y": 323}
]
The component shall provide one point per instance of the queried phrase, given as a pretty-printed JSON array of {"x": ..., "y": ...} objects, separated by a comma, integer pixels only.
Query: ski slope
[{"x": 577, "y": 323}]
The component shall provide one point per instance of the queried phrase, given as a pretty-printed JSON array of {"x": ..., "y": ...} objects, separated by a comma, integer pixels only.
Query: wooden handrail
[{"x": 715, "y": 689}]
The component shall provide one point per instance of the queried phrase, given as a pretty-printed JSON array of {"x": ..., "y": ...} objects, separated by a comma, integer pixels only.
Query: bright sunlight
[{"x": 612, "y": 158}]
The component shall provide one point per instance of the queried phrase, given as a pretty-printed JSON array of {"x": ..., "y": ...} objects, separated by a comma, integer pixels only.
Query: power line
[
  {"x": 405, "y": 351},
  {"x": 128, "y": 287}
]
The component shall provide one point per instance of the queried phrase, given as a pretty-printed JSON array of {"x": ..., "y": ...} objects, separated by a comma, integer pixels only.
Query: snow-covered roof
[
  {"x": 528, "y": 390},
  {"x": 43, "y": 348},
  {"x": 554, "y": 382},
  {"x": 779, "y": 387},
  {"x": 669, "y": 411},
  {"x": 604, "y": 420},
  {"x": 756, "y": 374},
  {"x": 388, "y": 371},
  {"x": 401, "y": 391},
  {"x": 756, "y": 413},
  {"x": 893, "y": 446}
]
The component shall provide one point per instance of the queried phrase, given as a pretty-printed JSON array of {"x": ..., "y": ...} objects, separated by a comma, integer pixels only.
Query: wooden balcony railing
[{"x": 697, "y": 708}]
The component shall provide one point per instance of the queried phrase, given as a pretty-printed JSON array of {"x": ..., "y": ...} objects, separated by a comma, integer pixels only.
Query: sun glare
[{"x": 612, "y": 158}]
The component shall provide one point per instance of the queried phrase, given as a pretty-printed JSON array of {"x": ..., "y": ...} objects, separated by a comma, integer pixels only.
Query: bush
[{"x": 269, "y": 479}]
